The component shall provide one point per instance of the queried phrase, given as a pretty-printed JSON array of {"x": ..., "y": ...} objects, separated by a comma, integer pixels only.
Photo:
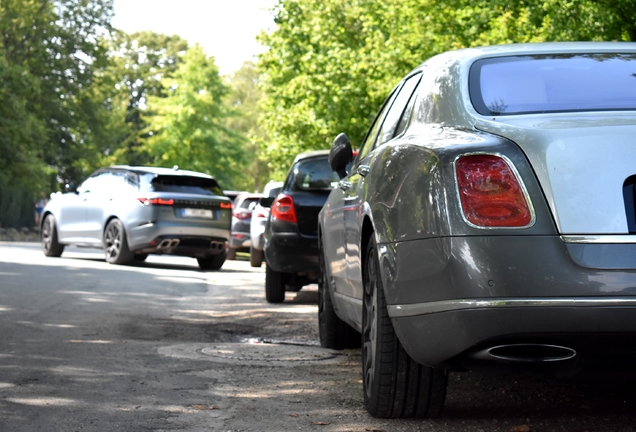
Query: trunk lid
[{"x": 581, "y": 162}]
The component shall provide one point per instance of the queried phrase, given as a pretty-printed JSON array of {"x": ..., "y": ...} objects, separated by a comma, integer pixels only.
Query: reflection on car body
[
  {"x": 131, "y": 212},
  {"x": 489, "y": 217}
]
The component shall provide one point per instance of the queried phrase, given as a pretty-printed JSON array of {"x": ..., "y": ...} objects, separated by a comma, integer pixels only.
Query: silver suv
[{"x": 131, "y": 212}]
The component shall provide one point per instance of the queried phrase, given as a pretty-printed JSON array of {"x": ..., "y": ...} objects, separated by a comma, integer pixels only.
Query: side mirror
[
  {"x": 266, "y": 201},
  {"x": 340, "y": 155}
]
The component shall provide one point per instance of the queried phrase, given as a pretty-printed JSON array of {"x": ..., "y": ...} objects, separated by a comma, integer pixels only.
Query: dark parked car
[
  {"x": 131, "y": 212},
  {"x": 290, "y": 239},
  {"x": 488, "y": 217},
  {"x": 243, "y": 206}
]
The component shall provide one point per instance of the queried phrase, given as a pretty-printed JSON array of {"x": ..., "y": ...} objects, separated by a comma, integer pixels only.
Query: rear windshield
[
  {"x": 247, "y": 202},
  {"x": 185, "y": 184},
  {"x": 312, "y": 174},
  {"x": 553, "y": 83}
]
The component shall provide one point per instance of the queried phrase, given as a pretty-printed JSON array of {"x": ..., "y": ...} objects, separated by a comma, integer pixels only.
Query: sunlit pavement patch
[{"x": 251, "y": 353}]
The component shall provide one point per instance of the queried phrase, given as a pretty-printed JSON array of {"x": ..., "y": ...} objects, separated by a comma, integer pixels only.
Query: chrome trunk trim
[
  {"x": 401, "y": 311},
  {"x": 603, "y": 239}
]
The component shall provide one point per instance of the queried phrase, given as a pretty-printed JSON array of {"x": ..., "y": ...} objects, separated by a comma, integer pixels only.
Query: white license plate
[{"x": 197, "y": 213}]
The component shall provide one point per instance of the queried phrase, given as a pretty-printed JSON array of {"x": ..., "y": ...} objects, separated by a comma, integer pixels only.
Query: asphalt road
[{"x": 162, "y": 346}]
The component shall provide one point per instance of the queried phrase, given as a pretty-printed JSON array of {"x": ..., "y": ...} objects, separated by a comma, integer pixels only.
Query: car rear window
[
  {"x": 553, "y": 83},
  {"x": 186, "y": 184},
  {"x": 312, "y": 174},
  {"x": 248, "y": 202}
]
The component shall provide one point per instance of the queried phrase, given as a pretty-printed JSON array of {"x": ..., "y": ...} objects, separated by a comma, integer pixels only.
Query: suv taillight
[
  {"x": 490, "y": 193},
  {"x": 242, "y": 215},
  {"x": 156, "y": 201},
  {"x": 283, "y": 209}
]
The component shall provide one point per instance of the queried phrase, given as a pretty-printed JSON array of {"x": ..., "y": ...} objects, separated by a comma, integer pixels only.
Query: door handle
[
  {"x": 363, "y": 170},
  {"x": 344, "y": 185}
]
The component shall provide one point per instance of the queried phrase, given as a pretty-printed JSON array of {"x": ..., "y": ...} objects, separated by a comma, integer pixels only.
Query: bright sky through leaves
[{"x": 226, "y": 29}]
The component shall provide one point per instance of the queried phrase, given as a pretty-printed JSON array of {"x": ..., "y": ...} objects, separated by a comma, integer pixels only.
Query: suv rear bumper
[{"x": 291, "y": 252}]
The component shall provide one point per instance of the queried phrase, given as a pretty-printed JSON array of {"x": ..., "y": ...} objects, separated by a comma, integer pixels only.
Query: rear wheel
[
  {"x": 256, "y": 257},
  {"x": 116, "y": 249},
  {"x": 213, "y": 262},
  {"x": 394, "y": 384},
  {"x": 274, "y": 285},
  {"x": 50, "y": 244},
  {"x": 334, "y": 332}
]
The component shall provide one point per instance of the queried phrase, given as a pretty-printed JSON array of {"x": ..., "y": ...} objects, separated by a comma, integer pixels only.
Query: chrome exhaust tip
[
  {"x": 168, "y": 243},
  {"x": 526, "y": 353},
  {"x": 217, "y": 245}
]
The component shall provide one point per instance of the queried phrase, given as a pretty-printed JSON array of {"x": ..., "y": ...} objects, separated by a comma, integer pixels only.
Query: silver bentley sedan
[
  {"x": 131, "y": 212},
  {"x": 489, "y": 217}
]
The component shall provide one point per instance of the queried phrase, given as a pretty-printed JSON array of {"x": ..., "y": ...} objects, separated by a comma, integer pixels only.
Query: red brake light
[
  {"x": 226, "y": 205},
  {"x": 242, "y": 215},
  {"x": 490, "y": 193},
  {"x": 283, "y": 209},
  {"x": 156, "y": 201}
]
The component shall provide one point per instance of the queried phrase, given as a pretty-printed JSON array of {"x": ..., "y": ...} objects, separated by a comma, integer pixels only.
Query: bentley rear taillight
[
  {"x": 491, "y": 195},
  {"x": 283, "y": 209}
]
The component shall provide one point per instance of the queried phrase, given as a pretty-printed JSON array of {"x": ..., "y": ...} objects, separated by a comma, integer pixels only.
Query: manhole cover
[{"x": 265, "y": 354}]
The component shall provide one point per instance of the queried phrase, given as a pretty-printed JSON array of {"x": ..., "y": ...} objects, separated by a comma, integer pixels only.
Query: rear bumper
[
  {"x": 291, "y": 252},
  {"x": 448, "y": 297},
  {"x": 240, "y": 240},
  {"x": 195, "y": 241},
  {"x": 592, "y": 330}
]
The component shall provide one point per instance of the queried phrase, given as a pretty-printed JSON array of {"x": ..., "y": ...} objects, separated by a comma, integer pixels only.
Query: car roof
[
  {"x": 175, "y": 171},
  {"x": 310, "y": 154},
  {"x": 469, "y": 54}
]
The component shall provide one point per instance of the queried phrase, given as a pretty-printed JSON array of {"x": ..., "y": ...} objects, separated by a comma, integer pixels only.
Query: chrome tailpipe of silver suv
[
  {"x": 526, "y": 353},
  {"x": 217, "y": 245},
  {"x": 167, "y": 244}
]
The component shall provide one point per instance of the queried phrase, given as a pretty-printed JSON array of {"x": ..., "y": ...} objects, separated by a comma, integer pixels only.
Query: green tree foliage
[
  {"x": 187, "y": 126},
  {"x": 242, "y": 103},
  {"x": 138, "y": 63},
  {"x": 330, "y": 64},
  {"x": 48, "y": 52}
]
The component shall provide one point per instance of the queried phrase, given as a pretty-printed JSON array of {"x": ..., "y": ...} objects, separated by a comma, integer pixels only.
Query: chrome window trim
[
  {"x": 513, "y": 168},
  {"x": 599, "y": 239},
  {"x": 408, "y": 310}
]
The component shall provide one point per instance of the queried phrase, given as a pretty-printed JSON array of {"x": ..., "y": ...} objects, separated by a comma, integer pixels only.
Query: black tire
[
  {"x": 256, "y": 257},
  {"x": 231, "y": 253},
  {"x": 334, "y": 332},
  {"x": 213, "y": 262},
  {"x": 395, "y": 386},
  {"x": 116, "y": 249},
  {"x": 140, "y": 257},
  {"x": 274, "y": 285},
  {"x": 50, "y": 244}
]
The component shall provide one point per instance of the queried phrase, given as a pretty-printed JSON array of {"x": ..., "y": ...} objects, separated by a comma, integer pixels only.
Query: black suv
[{"x": 291, "y": 234}]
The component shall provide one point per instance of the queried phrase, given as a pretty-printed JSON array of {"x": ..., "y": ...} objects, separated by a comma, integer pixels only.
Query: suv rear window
[
  {"x": 553, "y": 83},
  {"x": 186, "y": 184},
  {"x": 312, "y": 174}
]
